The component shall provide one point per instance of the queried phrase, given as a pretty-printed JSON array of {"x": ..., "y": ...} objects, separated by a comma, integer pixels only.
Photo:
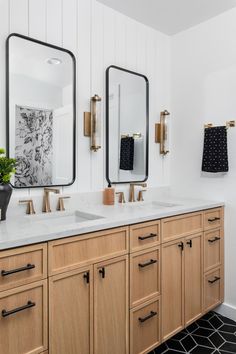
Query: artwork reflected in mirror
[
  {"x": 126, "y": 126},
  {"x": 41, "y": 113}
]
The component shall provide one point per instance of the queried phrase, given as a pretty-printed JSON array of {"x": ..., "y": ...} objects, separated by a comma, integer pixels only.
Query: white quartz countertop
[{"x": 31, "y": 229}]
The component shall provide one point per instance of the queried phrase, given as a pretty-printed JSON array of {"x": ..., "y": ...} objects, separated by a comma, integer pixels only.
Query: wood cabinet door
[
  {"x": 70, "y": 312},
  {"x": 172, "y": 288},
  {"x": 111, "y": 306},
  {"x": 23, "y": 321},
  {"x": 193, "y": 277}
]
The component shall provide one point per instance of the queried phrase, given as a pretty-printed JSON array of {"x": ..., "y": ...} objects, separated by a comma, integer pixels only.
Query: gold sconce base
[{"x": 87, "y": 124}]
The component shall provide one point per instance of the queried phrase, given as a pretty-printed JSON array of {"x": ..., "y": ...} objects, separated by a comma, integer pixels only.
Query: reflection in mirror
[
  {"x": 127, "y": 126},
  {"x": 41, "y": 112}
]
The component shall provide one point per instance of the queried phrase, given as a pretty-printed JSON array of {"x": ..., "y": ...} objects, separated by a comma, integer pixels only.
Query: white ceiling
[{"x": 171, "y": 16}]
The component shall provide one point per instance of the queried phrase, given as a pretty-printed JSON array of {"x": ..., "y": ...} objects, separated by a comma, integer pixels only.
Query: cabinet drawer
[
  {"x": 77, "y": 251},
  {"x": 22, "y": 266},
  {"x": 144, "y": 235},
  {"x": 23, "y": 321},
  {"x": 144, "y": 276},
  {"x": 213, "y": 218},
  {"x": 213, "y": 249},
  {"x": 145, "y": 327},
  {"x": 180, "y": 226},
  {"x": 213, "y": 289}
]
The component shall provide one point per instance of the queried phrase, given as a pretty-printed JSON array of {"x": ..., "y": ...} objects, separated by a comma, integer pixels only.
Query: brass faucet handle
[
  {"x": 121, "y": 197},
  {"x": 140, "y": 195},
  {"x": 30, "y": 206},
  {"x": 60, "y": 203}
]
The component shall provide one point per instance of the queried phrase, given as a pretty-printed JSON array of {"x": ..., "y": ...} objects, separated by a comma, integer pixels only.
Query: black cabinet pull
[
  {"x": 17, "y": 270},
  {"x": 143, "y": 319},
  {"x": 213, "y": 219},
  {"x": 86, "y": 276},
  {"x": 213, "y": 281},
  {"x": 102, "y": 272},
  {"x": 152, "y": 261},
  {"x": 142, "y": 238},
  {"x": 190, "y": 243},
  {"x": 29, "y": 304},
  {"x": 181, "y": 245},
  {"x": 214, "y": 239}
]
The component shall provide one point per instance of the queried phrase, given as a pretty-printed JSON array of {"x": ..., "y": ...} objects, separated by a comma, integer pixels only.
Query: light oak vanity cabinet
[
  {"x": 88, "y": 306},
  {"x": 121, "y": 291},
  {"x": 192, "y": 268},
  {"x": 24, "y": 305},
  {"x": 145, "y": 275}
]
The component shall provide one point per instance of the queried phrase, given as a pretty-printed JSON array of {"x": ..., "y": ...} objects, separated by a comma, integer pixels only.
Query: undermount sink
[
  {"x": 63, "y": 218},
  {"x": 151, "y": 205}
]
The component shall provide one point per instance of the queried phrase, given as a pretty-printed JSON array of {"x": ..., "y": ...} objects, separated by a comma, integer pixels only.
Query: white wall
[
  {"x": 204, "y": 90},
  {"x": 99, "y": 37}
]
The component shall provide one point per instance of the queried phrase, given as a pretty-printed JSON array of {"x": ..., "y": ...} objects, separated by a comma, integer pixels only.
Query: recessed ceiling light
[{"x": 54, "y": 61}]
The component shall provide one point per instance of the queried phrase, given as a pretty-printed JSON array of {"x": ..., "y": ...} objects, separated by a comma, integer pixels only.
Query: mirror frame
[
  {"x": 107, "y": 123},
  {"x": 8, "y": 102}
]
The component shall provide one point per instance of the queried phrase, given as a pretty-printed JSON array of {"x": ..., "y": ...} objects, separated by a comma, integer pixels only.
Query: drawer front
[
  {"x": 180, "y": 226},
  {"x": 23, "y": 321},
  {"x": 213, "y": 218},
  {"x": 213, "y": 289},
  {"x": 74, "y": 252},
  {"x": 213, "y": 249},
  {"x": 22, "y": 266},
  {"x": 144, "y": 235},
  {"x": 144, "y": 276},
  {"x": 145, "y": 328}
]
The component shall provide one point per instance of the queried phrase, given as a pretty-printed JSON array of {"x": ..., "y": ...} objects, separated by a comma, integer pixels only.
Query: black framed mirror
[
  {"x": 41, "y": 112},
  {"x": 127, "y": 126}
]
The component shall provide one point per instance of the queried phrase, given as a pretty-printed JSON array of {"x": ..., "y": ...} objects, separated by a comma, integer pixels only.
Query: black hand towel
[
  {"x": 215, "y": 151},
  {"x": 127, "y": 153}
]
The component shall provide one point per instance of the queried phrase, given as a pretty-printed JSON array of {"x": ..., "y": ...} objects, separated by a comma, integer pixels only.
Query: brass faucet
[
  {"x": 60, "y": 203},
  {"x": 131, "y": 190},
  {"x": 46, "y": 200},
  {"x": 121, "y": 198},
  {"x": 30, "y": 206},
  {"x": 140, "y": 195}
]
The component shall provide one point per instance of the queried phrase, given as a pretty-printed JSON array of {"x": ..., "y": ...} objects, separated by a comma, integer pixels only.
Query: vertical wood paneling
[
  {"x": 100, "y": 59},
  {"x": 19, "y": 16},
  {"x": 83, "y": 94},
  {"x": 37, "y": 19},
  {"x": 131, "y": 44},
  {"x": 54, "y": 22},
  {"x": 70, "y": 41},
  {"x": 70, "y": 20},
  {"x": 4, "y": 31},
  {"x": 120, "y": 39},
  {"x": 99, "y": 37}
]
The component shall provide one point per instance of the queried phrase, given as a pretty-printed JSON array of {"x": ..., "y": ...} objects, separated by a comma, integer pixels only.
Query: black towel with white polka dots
[{"x": 215, "y": 151}]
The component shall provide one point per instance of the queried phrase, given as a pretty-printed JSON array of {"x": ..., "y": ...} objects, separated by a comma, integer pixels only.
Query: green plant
[{"x": 7, "y": 167}]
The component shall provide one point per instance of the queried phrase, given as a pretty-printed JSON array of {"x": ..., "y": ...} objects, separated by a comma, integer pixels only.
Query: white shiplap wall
[{"x": 99, "y": 37}]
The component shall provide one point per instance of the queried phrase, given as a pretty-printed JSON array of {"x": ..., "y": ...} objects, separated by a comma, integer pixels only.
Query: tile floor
[{"x": 212, "y": 334}]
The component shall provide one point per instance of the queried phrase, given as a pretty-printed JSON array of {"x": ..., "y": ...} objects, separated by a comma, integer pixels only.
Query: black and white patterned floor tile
[{"x": 212, "y": 334}]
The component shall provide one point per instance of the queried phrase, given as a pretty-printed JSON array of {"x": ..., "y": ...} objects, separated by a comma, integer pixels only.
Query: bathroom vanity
[{"x": 123, "y": 289}]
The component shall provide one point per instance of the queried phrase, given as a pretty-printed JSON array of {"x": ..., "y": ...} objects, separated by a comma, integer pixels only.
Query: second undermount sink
[
  {"x": 64, "y": 218},
  {"x": 154, "y": 205}
]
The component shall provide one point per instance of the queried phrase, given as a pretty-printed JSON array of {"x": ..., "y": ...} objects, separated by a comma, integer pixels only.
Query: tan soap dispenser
[{"x": 109, "y": 195}]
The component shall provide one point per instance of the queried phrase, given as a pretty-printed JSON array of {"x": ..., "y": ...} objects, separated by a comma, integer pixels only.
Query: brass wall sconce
[
  {"x": 92, "y": 123},
  {"x": 161, "y": 133}
]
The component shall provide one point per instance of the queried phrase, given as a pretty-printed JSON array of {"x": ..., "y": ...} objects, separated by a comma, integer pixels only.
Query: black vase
[{"x": 5, "y": 196}]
